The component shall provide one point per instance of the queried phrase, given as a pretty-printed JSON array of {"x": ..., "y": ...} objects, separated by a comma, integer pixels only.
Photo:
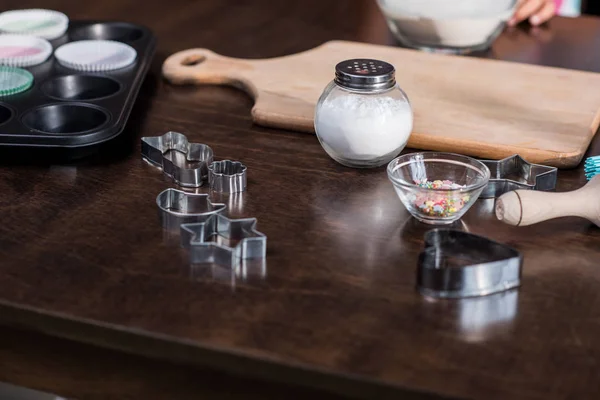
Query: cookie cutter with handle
[
  {"x": 156, "y": 149},
  {"x": 514, "y": 173},
  {"x": 457, "y": 264}
]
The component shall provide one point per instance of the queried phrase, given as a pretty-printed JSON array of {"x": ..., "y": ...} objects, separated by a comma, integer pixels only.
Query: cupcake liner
[
  {"x": 23, "y": 51},
  {"x": 46, "y": 24},
  {"x": 14, "y": 80},
  {"x": 95, "y": 55}
]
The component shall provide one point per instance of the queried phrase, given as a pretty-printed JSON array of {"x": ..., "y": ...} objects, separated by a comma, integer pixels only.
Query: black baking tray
[{"x": 71, "y": 109}]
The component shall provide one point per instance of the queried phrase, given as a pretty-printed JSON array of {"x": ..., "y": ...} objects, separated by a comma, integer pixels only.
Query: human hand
[{"x": 537, "y": 11}]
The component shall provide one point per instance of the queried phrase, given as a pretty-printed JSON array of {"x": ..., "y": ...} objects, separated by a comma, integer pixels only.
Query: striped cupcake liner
[{"x": 14, "y": 80}]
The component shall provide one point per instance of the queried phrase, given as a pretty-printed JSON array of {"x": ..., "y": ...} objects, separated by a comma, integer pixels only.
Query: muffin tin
[{"x": 73, "y": 109}]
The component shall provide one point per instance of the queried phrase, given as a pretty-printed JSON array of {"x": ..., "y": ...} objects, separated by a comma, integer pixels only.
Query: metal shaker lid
[{"x": 365, "y": 74}]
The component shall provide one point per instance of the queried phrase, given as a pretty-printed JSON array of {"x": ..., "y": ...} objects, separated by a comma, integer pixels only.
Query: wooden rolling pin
[{"x": 528, "y": 207}]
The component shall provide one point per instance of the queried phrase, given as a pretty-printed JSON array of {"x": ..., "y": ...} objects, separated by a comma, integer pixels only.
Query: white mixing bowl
[{"x": 455, "y": 25}]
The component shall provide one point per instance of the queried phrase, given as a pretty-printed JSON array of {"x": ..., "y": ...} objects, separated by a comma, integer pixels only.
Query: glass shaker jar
[{"x": 363, "y": 119}]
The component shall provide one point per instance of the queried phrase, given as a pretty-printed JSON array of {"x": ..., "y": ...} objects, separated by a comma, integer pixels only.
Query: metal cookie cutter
[
  {"x": 513, "y": 173},
  {"x": 250, "y": 242},
  {"x": 178, "y": 207},
  {"x": 155, "y": 150},
  {"x": 456, "y": 264},
  {"x": 227, "y": 176}
]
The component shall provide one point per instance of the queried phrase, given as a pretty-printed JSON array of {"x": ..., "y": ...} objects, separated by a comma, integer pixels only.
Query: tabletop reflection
[{"x": 476, "y": 319}]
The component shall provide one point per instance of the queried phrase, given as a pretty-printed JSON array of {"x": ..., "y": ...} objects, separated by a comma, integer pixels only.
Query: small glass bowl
[
  {"x": 437, "y": 188},
  {"x": 442, "y": 26}
]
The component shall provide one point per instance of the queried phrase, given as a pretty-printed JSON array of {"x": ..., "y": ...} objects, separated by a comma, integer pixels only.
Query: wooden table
[{"x": 85, "y": 259}]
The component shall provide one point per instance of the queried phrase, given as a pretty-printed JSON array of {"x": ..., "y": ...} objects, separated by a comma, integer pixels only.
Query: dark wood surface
[
  {"x": 78, "y": 371},
  {"x": 84, "y": 257}
]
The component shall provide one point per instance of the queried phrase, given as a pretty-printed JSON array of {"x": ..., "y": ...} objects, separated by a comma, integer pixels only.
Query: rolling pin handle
[{"x": 528, "y": 207}]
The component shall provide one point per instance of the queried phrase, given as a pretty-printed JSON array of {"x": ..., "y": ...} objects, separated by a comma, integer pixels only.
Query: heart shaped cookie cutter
[
  {"x": 156, "y": 150},
  {"x": 457, "y": 264}
]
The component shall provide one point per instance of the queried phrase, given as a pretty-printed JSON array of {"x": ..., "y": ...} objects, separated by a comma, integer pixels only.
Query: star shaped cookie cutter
[
  {"x": 457, "y": 264},
  {"x": 157, "y": 151},
  {"x": 177, "y": 207},
  {"x": 251, "y": 244},
  {"x": 513, "y": 173}
]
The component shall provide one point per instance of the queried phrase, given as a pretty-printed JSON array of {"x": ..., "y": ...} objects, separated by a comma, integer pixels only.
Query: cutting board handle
[{"x": 203, "y": 66}]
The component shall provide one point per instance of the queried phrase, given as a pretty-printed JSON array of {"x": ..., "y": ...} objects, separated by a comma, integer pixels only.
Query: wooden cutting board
[{"x": 483, "y": 108}]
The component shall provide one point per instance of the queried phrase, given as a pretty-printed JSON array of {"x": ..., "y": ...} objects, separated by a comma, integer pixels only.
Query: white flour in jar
[{"x": 364, "y": 127}]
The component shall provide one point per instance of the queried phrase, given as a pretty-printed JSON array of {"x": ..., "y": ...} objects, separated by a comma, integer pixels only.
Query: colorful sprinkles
[
  {"x": 444, "y": 204},
  {"x": 444, "y": 185}
]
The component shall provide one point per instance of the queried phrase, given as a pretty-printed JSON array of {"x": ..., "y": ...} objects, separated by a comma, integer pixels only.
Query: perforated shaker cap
[{"x": 365, "y": 74}]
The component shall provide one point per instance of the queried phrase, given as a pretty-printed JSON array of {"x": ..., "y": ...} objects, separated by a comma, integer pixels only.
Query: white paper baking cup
[
  {"x": 23, "y": 51},
  {"x": 46, "y": 24},
  {"x": 95, "y": 55}
]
